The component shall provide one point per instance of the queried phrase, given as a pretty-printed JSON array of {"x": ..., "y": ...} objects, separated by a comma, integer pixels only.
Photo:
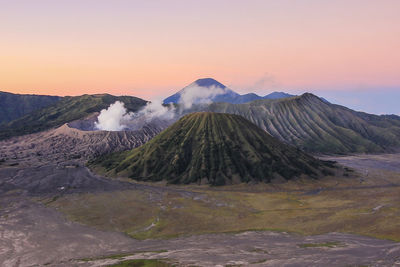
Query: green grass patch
[
  {"x": 142, "y": 263},
  {"x": 122, "y": 255},
  {"x": 260, "y": 261},
  {"x": 332, "y": 244}
]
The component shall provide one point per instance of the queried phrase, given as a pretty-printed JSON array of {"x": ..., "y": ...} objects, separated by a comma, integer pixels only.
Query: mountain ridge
[
  {"x": 317, "y": 126},
  {"x": 228, "y": 95},
  {"x": 14, "y": 106}
]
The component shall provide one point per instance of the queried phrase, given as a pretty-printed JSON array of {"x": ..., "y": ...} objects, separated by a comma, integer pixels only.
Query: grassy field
[{"x": 360, "y": 205}]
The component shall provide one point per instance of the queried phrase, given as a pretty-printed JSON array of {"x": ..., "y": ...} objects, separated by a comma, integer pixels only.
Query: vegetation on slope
[
  {"x": 216, "y": 149},
  {"x": 14, "y": 106},
  {"x": 65, "y": 110},
  {"x": 313, "y": 125}
]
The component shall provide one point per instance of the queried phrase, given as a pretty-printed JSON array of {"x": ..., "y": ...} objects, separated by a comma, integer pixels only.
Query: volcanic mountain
[
  {"x": 216, "y": 149},
  {"x": 66, "y": 110},
  {"x": 72, "y": 142},
  {"x": 219, "y": 93}
]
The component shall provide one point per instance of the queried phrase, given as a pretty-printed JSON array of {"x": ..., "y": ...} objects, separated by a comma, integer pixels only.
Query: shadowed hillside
[
  {"x": 14, "y": 106},
  {"x": 216, "y": 149},
  {"x": 317, "y": 126},
  {"x": 66, "y": 110}
]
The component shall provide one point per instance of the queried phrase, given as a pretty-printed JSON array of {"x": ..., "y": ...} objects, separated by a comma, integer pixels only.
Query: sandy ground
[
  {"x": 33, "y": 234},
  {"x": 274, "y": 249},
  {"x": 387, "y": 162}
]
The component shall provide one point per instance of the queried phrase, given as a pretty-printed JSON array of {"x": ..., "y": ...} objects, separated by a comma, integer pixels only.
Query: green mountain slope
[
  {"x": 65, "y": 110},
  {"x": 317, "y": 126},
  {"x": 14, "y": 106},
  {"x": 216, "y": 149}
]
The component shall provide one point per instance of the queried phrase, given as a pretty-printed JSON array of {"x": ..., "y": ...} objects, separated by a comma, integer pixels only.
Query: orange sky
[{"x": 153, "y": 48}]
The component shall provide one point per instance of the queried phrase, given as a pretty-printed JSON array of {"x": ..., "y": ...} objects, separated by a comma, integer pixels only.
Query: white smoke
[
  {"x": 113, "y": 118},
  {"x": 156, "y": 109},
  {"x": 194, "y": 94},
  {"x": 117, "y": 118}
]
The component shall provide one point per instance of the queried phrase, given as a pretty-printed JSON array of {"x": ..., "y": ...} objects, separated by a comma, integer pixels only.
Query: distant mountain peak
[
  {"x": 208, "y": 82},
  {"x": 224, "y": 95},
  {"x": 310, "y": 96},
  {"x": 227, "y": 96},
  {"x": 307, "y": 94}
]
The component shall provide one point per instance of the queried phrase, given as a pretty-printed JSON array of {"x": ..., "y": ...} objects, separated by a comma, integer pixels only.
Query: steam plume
[
  {"x": 156, "y": 109},
  {"x": 117, "y": 118},
  {"x": 113, "y": 118},
  {"x": 194, "y": 94}
]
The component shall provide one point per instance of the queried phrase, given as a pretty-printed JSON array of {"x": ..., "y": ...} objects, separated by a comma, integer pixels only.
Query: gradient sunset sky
[{"x": 347, "y": 51}]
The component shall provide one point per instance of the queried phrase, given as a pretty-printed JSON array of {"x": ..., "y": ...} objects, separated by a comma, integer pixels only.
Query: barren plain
[{"x": 59, "y": 213}]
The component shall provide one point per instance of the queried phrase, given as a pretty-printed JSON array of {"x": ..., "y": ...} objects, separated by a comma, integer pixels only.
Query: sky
[{"x": 344, "y": 50}]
